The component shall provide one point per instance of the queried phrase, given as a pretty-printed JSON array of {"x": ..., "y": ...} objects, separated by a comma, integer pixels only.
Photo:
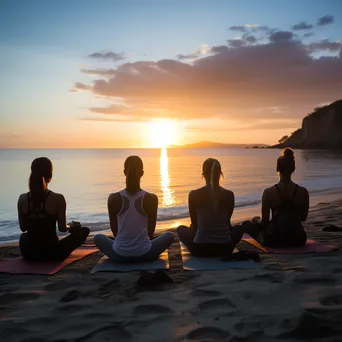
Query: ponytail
[
  {"x": 41, "y": 174},
  {"x": 215, "y": 174},
  {"x": 37, "y": 186},
  {"x": 212, "y": 172}
]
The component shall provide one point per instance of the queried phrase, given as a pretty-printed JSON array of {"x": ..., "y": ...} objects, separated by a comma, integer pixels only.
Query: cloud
[
  {"x": 203, "y": 50},
  {"x": 243, "y": 82},
  {"x": 79, "y": 87},
  {"x": 309, "y": 34},
  {"x": 325, "y": 44},
  {"x": 240, "y": 28},
  {"x": 249, "y": 28},
  {"x": 108, "y": 56},
  {"x": 99, "y": 72},
  {"x": 236, "y": 43},
  {"x": 325, "y": 20},
  {"x": 186, "y": 57},
  {"x": 223, "y": 126},
  {"x": 250, "y": 39},
  {"x": 281, "y": 36},
  {"x": 112, "y": 109},
  {"x": 302, "y": 26},
  {"x": 219, "y": 49},
  {"x": 114, "y": 118},
  {"x": 246, "y": 39}
]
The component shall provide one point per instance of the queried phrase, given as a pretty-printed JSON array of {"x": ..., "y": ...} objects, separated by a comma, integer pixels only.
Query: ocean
[{"x": 87, "y": 177}]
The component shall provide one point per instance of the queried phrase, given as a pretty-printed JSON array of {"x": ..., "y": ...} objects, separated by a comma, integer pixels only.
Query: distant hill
[
  {"x": 210, "y": 144},
  {"x": 321, "y": 129}
]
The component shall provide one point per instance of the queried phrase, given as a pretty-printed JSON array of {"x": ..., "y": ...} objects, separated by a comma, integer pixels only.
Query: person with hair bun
[
  {"x": 38, "y": 212},
  {"x": 133, "y": 215},
  {"x": 211, "y": 208},
  {"x": 289, "y": 205}
]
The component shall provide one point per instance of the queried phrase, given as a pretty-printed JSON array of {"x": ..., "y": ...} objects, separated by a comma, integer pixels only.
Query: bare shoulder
[
  {"x": 56, "y": 197},
  {"x": 269, "y": 193},
  {"x": 114, "y": 197},
  {"x": 228, "y": 192},
  {"x": 22, "y": 198},
  {"x": 197, "y": 192},
  {"x": 303, "y": 191},
  {"x": 151, "y": 197}
]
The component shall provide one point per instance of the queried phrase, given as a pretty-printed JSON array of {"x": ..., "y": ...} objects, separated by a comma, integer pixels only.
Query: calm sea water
[{"x": 86, "y": 177}]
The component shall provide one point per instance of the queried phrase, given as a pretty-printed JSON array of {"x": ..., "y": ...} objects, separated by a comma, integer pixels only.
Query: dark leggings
[
  {"x": 268, "y": 238},
  {"x": 43, "y": 250},
  {"x": 186, "y": 235}
]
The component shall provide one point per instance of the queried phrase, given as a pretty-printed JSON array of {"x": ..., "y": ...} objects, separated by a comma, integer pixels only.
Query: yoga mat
[
  {"x": 106, "y": 265},
  {"x": 193, "y": 263},
  {"x": 311, "y": 246},
  {"x": 21, "y": 266}
]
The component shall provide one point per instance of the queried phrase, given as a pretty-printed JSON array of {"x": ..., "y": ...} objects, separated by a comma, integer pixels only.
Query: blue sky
[{"x": 45, "y": 44}]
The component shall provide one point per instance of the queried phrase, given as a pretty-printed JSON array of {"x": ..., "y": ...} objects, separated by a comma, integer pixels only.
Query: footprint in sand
[
  {"x": 204, "y": 293},
  {"x": 59, "y": 285},
  {"x": 274, "y": 277},
  {"x": 18, "y": 298},
  {"x": 71, "y": 308},
  {"x": 313, "y": 279},
  {"x": 217, "y": 304},
  {"x": 106, "y": 333},
  {"x": 208, "y": 333},
  {"x": 70, "y": 296},
  {"x": 109, "y": 287},
  {"x": 332, "y": 300},
  {"x": 151, "y": 310}
]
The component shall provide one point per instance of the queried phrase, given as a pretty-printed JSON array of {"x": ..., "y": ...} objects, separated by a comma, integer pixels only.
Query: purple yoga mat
[
  {"x": 311, "y": 246},
  {"x": 21, "y": 266}
]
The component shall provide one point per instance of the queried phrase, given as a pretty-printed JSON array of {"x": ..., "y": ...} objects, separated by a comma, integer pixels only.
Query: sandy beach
[{"x": 288, "y": 298}]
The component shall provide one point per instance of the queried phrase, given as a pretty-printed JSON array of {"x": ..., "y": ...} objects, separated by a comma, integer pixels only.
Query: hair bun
[{"x": 288, "y": 153}]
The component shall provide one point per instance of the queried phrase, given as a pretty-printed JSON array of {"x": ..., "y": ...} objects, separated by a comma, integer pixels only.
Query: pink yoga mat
[
  {"x": 311, "y": 246},
  {"x": 21, "y": 266}
]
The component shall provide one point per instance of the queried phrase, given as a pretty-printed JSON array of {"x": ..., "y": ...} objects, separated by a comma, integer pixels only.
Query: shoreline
[{"x": 239, "y": 215}]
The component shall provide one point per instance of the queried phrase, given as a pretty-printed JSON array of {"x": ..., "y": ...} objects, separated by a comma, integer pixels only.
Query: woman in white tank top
[{"x": 132, "y": 216}]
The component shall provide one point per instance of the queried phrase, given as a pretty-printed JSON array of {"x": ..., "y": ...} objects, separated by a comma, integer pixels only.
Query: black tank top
[
  {"x": 40, "y": 225},
  {"x": 286, "y": 203}
]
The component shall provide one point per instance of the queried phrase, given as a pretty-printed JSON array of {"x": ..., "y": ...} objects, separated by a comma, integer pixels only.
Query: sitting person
[
  {"x": 38, "y": 211},
  {"x": 289, "y": 204},
  {"x": 132, "y": 216},
  {"x": 211, "y": 208}
]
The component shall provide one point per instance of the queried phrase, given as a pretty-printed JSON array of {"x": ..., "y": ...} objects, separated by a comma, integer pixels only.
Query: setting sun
[{"x": 162, "y": 133}]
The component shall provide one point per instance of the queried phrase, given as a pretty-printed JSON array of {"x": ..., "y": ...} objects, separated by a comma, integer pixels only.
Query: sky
[{"x": 120, "y": 74}]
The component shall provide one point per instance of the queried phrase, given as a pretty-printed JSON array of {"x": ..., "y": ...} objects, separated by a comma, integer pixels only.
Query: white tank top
[{"x": 132, "y": 237}]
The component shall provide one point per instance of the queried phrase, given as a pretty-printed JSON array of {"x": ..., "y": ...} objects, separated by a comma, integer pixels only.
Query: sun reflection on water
[{"x": 168, "y": 198}]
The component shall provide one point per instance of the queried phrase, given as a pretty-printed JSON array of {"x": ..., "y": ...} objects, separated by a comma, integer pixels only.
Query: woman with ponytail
[
  {"x": 211, "y": 208},
  {"x": 38, "y": 211},
  {"x": 133, "y": 216},
  {"x": 289, "y": 205}
]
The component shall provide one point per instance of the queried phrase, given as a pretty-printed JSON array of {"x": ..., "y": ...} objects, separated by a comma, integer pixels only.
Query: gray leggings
[{"x": 159, "y": 245}]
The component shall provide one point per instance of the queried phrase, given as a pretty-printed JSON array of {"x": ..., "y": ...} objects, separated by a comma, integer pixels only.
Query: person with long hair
[
  {"x": 211, "y": 208},
  {"x": 39, "y": 210},
  {"x": 133, "y": 215},
  {"x": 288, "y": 203}
]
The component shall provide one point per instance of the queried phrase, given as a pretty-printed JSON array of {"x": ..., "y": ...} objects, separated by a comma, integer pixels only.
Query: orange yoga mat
[
  {"x": 21, "y": 266},
  {"x": 311, "y": 246}
]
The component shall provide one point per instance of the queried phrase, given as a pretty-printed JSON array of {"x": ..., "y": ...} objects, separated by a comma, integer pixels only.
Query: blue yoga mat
[
  {"x": 105, "y": 265},
  {"x": 194, "y": 263}
]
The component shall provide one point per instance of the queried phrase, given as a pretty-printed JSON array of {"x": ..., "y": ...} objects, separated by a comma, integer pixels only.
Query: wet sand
[{"x": 288, "y": 298}]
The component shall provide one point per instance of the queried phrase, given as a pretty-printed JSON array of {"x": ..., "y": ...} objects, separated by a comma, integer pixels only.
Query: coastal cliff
[{"x": 321, "y": 129}]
